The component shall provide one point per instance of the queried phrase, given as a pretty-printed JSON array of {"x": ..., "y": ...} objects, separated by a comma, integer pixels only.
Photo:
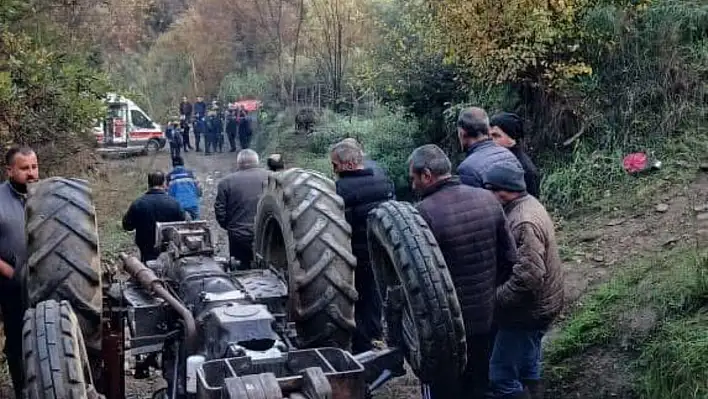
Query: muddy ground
[{"x": 592, "y": 246}]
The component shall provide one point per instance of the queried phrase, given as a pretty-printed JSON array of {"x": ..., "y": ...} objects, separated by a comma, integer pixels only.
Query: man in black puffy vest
[{"x": 362, "y": 191}]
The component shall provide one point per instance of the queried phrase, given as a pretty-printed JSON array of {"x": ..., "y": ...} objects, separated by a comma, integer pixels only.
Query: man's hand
[{"x": 6, "y": 270}]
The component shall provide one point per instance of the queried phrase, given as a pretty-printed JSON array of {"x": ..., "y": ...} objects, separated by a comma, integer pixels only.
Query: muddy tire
[
  {"x": 301, "y": 231},
  {"x": 408, "y": 265},
  {"x": 152, "y": 146},
  {"x": 62, "y": 243},
  {"x": 54, "y": 354}
]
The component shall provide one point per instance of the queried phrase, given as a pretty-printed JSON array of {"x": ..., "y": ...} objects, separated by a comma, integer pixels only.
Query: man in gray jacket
[
  {"x": 236, "y": 201},
  {"x": 22, "y": 168},
  {"x": 482, "y": 153}
]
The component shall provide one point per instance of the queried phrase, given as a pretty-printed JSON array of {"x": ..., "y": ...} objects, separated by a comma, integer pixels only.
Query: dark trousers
[
  {"x": 12, "y": 315},
  {"x": 220, "y": 142},
  {"x": 197, "y": 138},
  {"x": 175, "y": 149},
  {"x": 241, "y": 249},
  {"x": 244, "y": 139},
  {"x": 211, "y": 143},
  {"x": 232, "y": 139},
  {"x": 516, "y": 358},
  {"x": 185, "y": 137},
  {"x": 367, "y": 310},
  {"x": 475, "y": 378}
]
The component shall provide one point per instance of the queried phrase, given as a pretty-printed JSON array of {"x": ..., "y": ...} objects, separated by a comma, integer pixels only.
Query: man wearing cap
[
  {"x": 507, "y": 130},
  {"x": 482, "y": 152},
  {"x": 531, "y": 297},
  {"x": 471, "y": 229},
  {"x": 275, "y": 162}
]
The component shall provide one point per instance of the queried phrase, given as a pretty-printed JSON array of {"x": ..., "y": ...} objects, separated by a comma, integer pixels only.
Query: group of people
[
  {"x": 496, "y": 237},
  {"x": 209, "y": 123}
]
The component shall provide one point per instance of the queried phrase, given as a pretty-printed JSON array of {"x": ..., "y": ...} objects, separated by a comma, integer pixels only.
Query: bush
[
  {"x": 48, "y": 100},
  {"x": 388, "y": 138}
]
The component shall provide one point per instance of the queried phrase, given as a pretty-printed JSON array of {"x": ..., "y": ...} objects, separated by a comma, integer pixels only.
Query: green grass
[
  {"x": 670, "y": 349},
  {"x": 594, "y": 181}
]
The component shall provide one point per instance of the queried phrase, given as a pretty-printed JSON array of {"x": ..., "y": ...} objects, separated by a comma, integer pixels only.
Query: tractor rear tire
[
  {"x": 406, "y": 258},
  {"x": 62, "y": 243},
  {"x": 54, "y": 354},
  {"x": 300, "y": 229}
]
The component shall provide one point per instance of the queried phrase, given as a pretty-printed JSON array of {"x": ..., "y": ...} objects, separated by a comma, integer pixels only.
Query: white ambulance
[{"x": 127, "y": 128}]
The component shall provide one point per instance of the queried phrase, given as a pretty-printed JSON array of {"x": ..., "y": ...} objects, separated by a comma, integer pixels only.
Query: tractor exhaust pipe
[{"x": 147, "y": 278}]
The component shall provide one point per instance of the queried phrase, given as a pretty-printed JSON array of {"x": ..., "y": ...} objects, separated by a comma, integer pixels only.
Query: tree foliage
[{"x": 49, "y": 98}]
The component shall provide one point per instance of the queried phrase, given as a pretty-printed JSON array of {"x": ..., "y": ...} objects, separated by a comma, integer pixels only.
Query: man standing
[
  {"x": 185, "y": 109},
  {"x": 200, "y": 128},
  {"x": 185, "y": 116},
  {"x": 174, "y": 137},
  {"x": 200, "y": 108},
  {"x": 232, "y": 128},
  {"x": 244, "y": 128},
  {"x": 506, "y": 130},
  {"x": 368, "y": 162},
  {"x": 482, "y": 153},
  {"x": 22, "y": 168},
  {"x": 531, "y": 297},
  {"x": 362, "y": 190},
  {"x": 214, "y": 128},
  {"x": 236, "y": 201},
  {"x": 154, "y": 206},
  {"x": 474, "y": 237},
  {"x": 184, "y": 187}
]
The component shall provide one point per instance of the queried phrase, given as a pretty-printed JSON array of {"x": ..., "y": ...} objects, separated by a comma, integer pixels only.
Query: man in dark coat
[
  {"x": 232, "y": 128},
  {"x": 244, "y": 128},
  {"x": 214, "y": 129},
  {"x": 22, "y": 169},
  {"x": 236, "y": 201},
  {"x": 474, "y": 237},
  {"x": 482, "y": 152},
  {"x": 185, "y": 116},
  {"x": 185, "y": 109},
  {"x": 200, "y": 108},
  {"x": 507, "y": 130},
  {"x": 531, "y": 297},
  {"x": 200, "y": 129},
  {"x": 154, "y": 206},
  {"x": 362, "y": 191}
]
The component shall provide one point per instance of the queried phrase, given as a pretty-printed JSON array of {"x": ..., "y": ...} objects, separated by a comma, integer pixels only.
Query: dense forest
[{"x": 593, "y": 79}]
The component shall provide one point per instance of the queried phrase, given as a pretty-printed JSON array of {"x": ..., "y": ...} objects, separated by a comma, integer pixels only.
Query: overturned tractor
[{"x": 279, "y": 328}]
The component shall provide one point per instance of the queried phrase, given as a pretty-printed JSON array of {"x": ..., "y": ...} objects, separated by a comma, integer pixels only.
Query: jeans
[
  {"x": 193, "y": 212},
  {"x": 473, "y": 382},
  {"x": 516, "y": 357}
]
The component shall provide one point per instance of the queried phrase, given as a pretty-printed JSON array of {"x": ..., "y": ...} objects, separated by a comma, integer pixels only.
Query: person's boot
[{"x": 535, "y": 388}]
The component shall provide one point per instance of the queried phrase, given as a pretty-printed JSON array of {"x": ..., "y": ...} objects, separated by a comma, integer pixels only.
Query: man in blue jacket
[
  {"x": 482, "y": 153},
  {"x": 184, "y": 187}
]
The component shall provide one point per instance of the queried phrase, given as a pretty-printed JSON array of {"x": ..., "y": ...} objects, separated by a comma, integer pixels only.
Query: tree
[
  {"x": 512, "y": 41},
  {"x": 336, "y": 28}
]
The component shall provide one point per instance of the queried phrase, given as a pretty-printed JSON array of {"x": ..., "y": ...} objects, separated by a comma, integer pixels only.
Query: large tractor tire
[
  {"x": 301, "y": 231},
  {"x": 62, "y": 243},
  {"x": 54, "y": 354},
  {"x": 423, "y": 315}
]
